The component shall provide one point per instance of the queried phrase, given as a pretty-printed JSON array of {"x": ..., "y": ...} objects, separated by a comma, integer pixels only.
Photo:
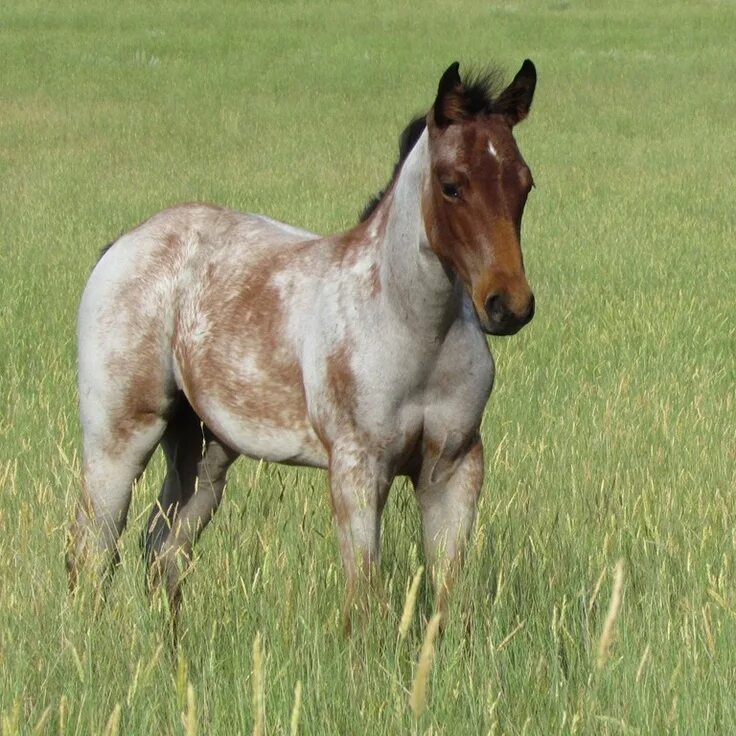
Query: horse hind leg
[
  {"x": 117, "y": 447},
  {"x": 182, "y": 444},
  {"x": 190, "y": 496}
]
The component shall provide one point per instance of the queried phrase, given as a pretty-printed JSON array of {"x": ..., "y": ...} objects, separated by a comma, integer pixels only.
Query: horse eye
[{"x": 451, "y": 191}]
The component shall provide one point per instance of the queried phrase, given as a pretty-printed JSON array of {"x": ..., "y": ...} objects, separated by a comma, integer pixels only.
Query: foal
[{"x": 218, "y": 334}]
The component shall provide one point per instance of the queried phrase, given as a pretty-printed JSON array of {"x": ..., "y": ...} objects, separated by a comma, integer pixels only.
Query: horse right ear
[
  {"x": 448, "y": 107},
  {"x": 516, "y": 99}
]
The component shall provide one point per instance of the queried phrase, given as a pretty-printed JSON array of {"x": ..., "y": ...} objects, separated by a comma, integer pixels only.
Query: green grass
[{"x": 610, "y": 434}]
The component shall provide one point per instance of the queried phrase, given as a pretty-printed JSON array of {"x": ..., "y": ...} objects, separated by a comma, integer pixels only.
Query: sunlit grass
[{"x": 609, "y": 436}]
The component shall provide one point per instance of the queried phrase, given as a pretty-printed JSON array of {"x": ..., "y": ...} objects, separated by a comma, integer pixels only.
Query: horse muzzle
[{"x": 501, "y": 319}]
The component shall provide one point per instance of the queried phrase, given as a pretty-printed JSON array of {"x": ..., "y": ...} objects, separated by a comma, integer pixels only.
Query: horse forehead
[
  {"x": 478, "y": 143},
  {"x": 496, "y": 140}
]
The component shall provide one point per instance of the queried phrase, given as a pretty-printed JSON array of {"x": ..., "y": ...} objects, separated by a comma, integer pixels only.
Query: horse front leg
[
  {"x": 447, "y": 490},
  {"x": 358, "y": 488}
]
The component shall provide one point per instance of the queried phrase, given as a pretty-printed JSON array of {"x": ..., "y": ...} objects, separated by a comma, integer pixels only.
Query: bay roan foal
[{"x": 218, "y": 334}]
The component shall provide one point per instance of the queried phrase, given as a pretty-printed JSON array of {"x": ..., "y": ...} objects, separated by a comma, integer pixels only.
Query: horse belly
[
  {"x": 273, "y": 436},
  {"x": 253, "y": 401}
]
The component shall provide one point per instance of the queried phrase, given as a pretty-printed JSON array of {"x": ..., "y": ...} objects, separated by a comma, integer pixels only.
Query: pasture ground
[{"x": 610, "y": 434}]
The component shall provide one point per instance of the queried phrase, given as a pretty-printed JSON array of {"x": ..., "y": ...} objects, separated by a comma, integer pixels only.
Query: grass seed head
[
  {"x": 113, "y": 724},
  {"x": 409, "y": 605},
  {"x": 609, "y": 627},
  {"x": 297, "y": 708},
  {"x": 418, "y": 698}
]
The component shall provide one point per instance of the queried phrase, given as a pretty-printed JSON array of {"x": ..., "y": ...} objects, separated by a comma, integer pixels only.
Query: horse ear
[
  {"x": 516, "y": 99},
  {"x": 448, "y": 105}
]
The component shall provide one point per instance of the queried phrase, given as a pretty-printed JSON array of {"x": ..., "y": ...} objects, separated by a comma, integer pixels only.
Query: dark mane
[{"x": 481, "y": 94}]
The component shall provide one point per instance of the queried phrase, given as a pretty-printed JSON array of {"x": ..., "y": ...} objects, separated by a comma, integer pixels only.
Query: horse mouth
[{"x": 504, "y": 330}]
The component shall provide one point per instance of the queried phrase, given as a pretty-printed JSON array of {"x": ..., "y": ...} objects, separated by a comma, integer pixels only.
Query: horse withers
[{"x": 217, "y": 334}]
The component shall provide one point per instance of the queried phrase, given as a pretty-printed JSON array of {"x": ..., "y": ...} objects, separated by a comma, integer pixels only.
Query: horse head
[{"x": 474, "y": 196}]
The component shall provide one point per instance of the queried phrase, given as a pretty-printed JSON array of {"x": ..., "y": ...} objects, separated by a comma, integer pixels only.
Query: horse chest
[{"x": 391, "y": 398}]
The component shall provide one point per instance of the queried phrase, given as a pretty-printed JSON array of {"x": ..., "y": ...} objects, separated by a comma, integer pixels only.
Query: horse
[{"x": 216, "y": 334}]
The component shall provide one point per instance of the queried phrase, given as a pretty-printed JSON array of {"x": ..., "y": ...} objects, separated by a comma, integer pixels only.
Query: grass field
[{"x": 610, "y": 434}]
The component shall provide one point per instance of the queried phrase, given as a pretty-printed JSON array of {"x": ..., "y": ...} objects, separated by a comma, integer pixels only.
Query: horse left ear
[
  {"x": 448, "y": 104},
  {"x": 514, "y": 102}
]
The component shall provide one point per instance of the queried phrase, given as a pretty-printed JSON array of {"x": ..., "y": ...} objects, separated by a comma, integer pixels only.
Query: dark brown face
[{"x": 473, "y": 204}]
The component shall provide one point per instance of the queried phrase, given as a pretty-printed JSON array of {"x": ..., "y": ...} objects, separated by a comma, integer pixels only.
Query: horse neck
[{"x": 417, "y": 287}]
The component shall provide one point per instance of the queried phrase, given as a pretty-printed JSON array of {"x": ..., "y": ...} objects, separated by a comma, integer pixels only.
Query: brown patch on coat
[
  {"x": 375, "y": 280},
  {"x": 341, "y": 379},
  {"x": 350, "y": 246},
  {"x": 246, "y": 321},
  {"x": 171, "y": 240},
  {"x": 336, "y": 416},
  {"x": 144, "y": 399},
  {"x": 476, "y": 471}
]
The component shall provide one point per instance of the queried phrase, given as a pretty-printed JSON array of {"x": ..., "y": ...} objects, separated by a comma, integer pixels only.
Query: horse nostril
[
  {"x": 502, "y": 320},
  {"x": 496, "y": 308}
]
